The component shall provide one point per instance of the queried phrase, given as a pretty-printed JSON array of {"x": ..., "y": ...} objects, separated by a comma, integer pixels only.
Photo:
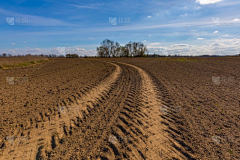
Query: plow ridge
[
  {"x": 118, "y": 119},
  {"x": 59, "y": 124}
]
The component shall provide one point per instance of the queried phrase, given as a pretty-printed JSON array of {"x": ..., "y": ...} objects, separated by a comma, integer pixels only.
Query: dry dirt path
[{"x": 118, "y": 119}]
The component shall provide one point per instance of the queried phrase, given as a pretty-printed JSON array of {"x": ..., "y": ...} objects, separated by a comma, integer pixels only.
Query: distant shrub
[{"x": 72, "y": 55}]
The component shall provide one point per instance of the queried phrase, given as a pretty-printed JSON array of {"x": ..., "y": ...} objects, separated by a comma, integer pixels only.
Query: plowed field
[{"x": 122, "y": 108}]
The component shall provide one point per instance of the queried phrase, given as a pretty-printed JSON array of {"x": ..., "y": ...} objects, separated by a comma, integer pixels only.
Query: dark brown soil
[
  {"x": 122, "y": 108},
  {"x": 39, "y": 90},
  {"x": 206, "y": 112}
]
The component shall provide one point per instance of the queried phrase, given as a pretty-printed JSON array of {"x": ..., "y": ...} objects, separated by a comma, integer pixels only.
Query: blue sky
[{"x": 186, "y": 27}]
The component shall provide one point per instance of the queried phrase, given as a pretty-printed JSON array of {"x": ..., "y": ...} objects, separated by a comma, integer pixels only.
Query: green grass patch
[
  {"x": 42, "y": 61},
  {"x": 24, "y": 64}
]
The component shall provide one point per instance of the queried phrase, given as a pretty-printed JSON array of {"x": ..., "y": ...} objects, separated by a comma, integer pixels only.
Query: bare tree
[
  {"x": 117, "y": 50},
  {"x": 110, "y": 48}
]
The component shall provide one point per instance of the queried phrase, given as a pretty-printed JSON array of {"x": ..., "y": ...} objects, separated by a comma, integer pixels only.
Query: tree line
[{"x": 110, "y": 48}]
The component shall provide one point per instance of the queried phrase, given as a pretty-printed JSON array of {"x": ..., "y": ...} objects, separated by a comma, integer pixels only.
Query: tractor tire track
[
  {"x": 45, "y": 135},
  {"x": 118, "y": 119},
  {"x": 125, "y": 124},
  {"x": 96, "y": 127},
  {"x": 159, "y": 144}
]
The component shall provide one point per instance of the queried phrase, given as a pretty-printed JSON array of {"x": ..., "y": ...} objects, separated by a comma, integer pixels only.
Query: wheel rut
[
  {"x": 118, "y": 119},
  {"x": 46, "y": 135}
]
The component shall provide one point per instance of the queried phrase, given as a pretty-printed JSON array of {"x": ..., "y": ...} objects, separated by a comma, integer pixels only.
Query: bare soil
[
  {"x": 20, "y": 59},
  {"x": 121, "y": 108},
  {"x": 202, "y": 99}
]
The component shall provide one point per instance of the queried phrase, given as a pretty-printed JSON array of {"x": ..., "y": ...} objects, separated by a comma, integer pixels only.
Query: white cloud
[
  {"x": 200, "y": 38},
  {"x": 33, "y": 20},
  {"x": 199, "y": 7},
  {"x": 149, "y": 16},
  {"x": 235, "y": 20},
  {"x": 215, "y": 32},
  {"x": 24, "y": 51},
  {"x": 180, "y": 45},
  {"x": 212, "y": 47},
  {"x": 214, "y": 44},
  {"x": 135, "y": 27},
  {"x": 204, "y": 2},
  {"x": 87, "y": 6},
  {"x": 47, "y": 51},
  {"x": 73, "y": 50},
  {"x": 13, "y": 43},
  {"x": 80, "y": 49},
  {"x": 184, "y": 15},
  {"x": 11, "y": 51},
  {"x": 154, "y": 45},
  {"x": 225, "y": 35}
]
